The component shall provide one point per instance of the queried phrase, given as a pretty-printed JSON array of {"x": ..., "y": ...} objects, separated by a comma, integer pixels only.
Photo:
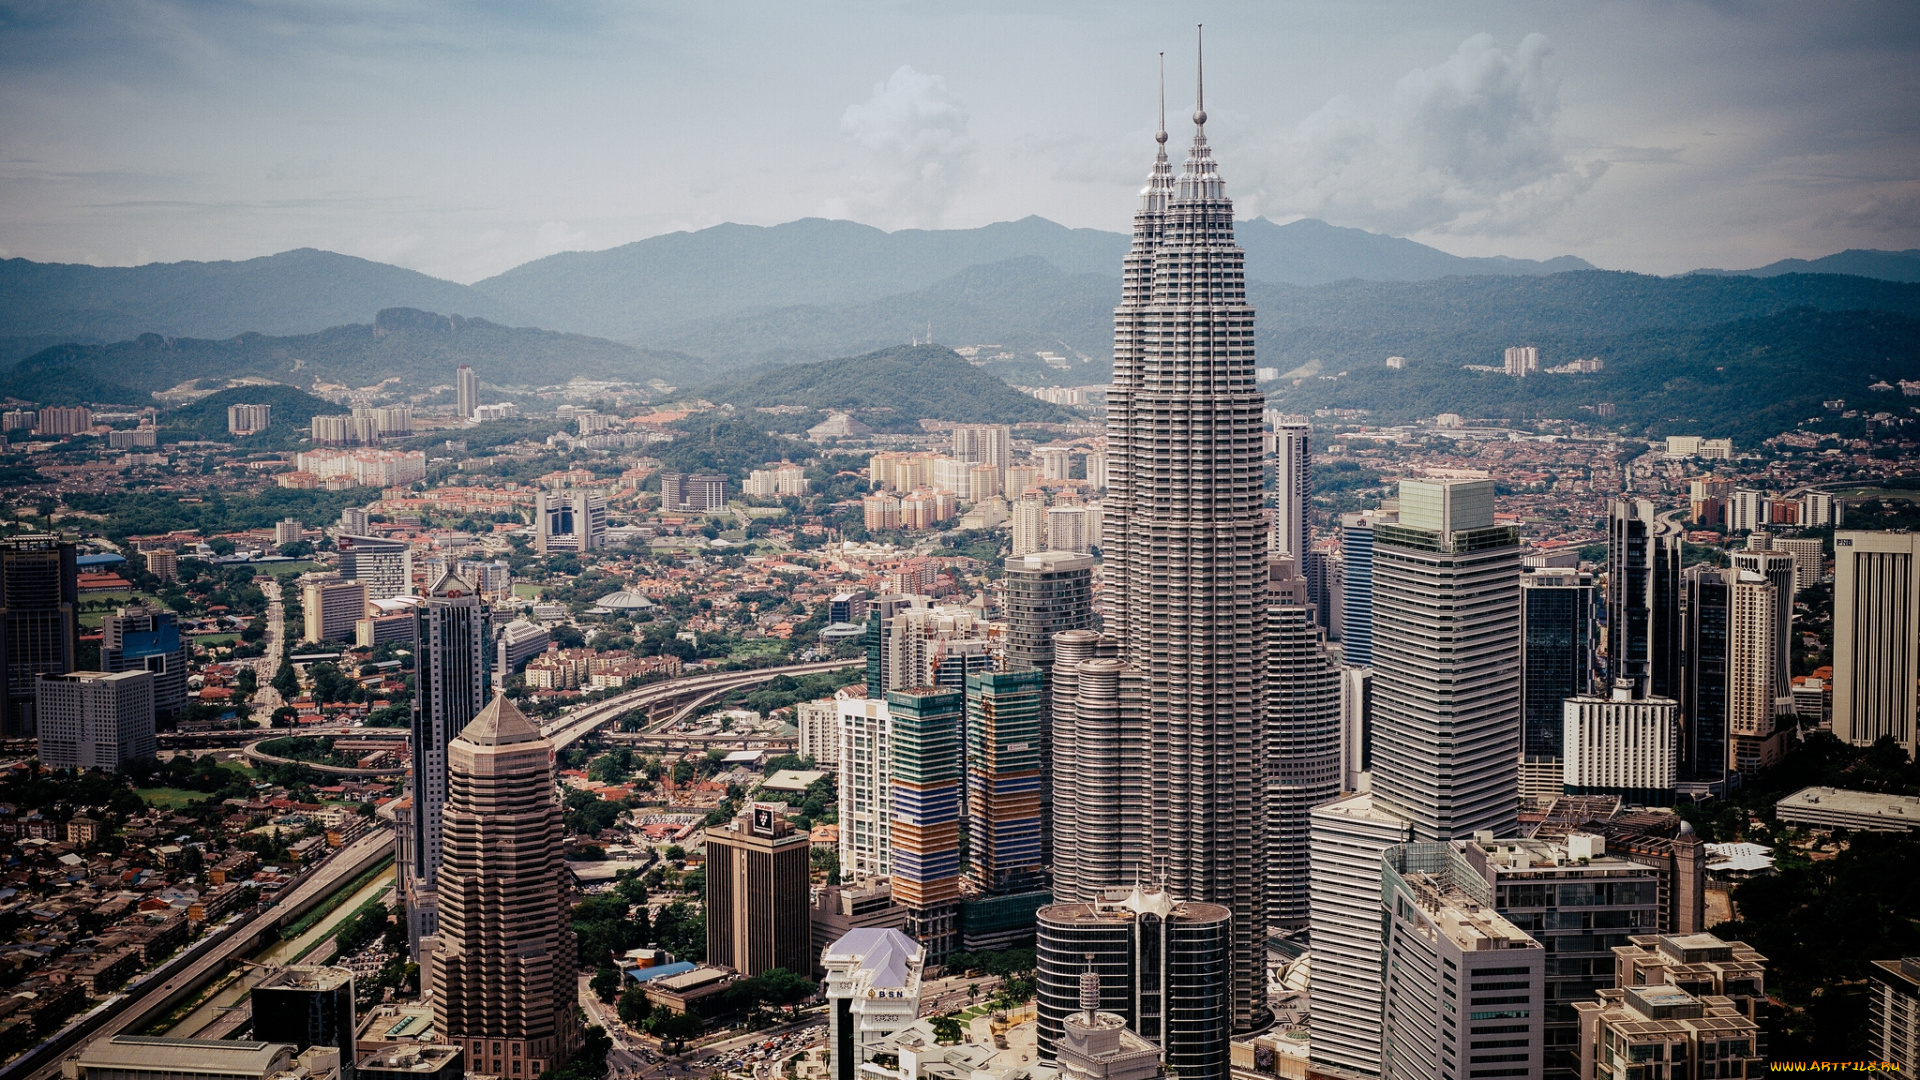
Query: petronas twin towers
[{"x": 1158, "y": 723}]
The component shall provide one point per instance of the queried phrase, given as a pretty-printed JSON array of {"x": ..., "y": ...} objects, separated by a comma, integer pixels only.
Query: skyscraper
[
  {"x": 505, "y": 980},
  {"x": 1046, "y": 593},
  {"x": 1876, "y": 637},
  {"x": 984, "y": 444},
  {"x": 450, "y": 690},
  {"x": 1356, "y": 543},
  {"x": 1185, "y": 546},
  {"x": 384, "y": 566},
  {"x": 1779, "y": 570},
  {"x": 1004, "y": 781},
  {"x": 1446, "y": 686},
  {"x": 1705, "y": 592},
  {"x": 925, "y": 830},
  {"x": 1293, "y": 457},
  {"x": 1302, "y": 744},
  {"x": 757, "y": 905},
  {"x": 1754, "y": 739},
  {"x": 39, "y": 621},
  {"x": 866, "y": 787},
  {"x": 1643, "y": 597},
  {"x": 1556, "y": 660},
  {"x": 466, "y": 391}
]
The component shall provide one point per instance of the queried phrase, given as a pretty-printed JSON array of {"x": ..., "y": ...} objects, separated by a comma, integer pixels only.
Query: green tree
[
  {"x": 946, "y": 1029},
  {"x": 286, "y": 681},
  {"x": 606, "y": 985}
]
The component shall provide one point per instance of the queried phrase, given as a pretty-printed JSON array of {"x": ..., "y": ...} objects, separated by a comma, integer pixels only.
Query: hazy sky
[{"x": 461, "y": 139}]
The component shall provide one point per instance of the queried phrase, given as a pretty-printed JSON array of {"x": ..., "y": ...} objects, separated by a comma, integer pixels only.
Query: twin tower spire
[{"x": 1200, "y": 179}]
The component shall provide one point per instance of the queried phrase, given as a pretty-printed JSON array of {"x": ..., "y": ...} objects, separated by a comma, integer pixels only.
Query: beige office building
[
  {"x": 332, "y": 608},
  {"x": 504, "y": 975},
  {"x": 1876, "y": 636}
]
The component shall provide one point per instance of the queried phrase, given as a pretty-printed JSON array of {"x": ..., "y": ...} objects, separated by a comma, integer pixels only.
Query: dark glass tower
[
  {"x": 39, "y": 621},
  {"x": 1556, "y": 628},
  {"x": 1703, "y": 704},
  {"x": 1643, "y": 598},
  {"x": 450, "y": 689}
]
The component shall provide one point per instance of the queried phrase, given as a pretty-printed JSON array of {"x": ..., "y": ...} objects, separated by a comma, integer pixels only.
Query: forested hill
[
  {"x": 909, "y": 382},
  {"x": 294, "y": 292},
  {"x": 1747, "y": 378},
  {"x": 418, "y": 347}
]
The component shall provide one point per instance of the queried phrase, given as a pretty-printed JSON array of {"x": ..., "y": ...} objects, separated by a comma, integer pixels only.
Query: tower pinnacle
[
  {"x": 1161, "y": 135},
  {"x": 1200, "y": 76}
]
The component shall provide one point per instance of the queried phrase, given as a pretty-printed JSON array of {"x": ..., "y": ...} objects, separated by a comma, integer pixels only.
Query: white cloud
[
  {"x": 1468, "y": 146},
  {"x": 554, "y": 236},
  {"x": 918, "y": 153}
]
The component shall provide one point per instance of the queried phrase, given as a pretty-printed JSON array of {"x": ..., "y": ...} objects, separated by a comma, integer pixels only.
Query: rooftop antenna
[{"x": 1200, "y": 76}]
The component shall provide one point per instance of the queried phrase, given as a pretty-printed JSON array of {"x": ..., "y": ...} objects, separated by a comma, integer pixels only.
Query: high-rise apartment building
[
  {"x": 1029, "y": 527},
  {"x": 247, "y": 419},
  {"x": 1096, "y": 469},
  {"x": 571, "y": 520},
  {"x": 866, "y": 788},
  {"x": 1356, "y": 544},
  {"x": 984, "y": 444},
  {"x": 331, "y": 607},
  {"x": 94, "y": 719},
  {"x": 505, "y": 980},
  {"x": 384, "y": 566},
  {"x": 1004, "y": 781},
  {"x": 758, "y": 912},
  {"x": 466, "y": 391},
  {"x": 147, "y": 638},
  {"x": 1162, "y": 965},
  {"x": 1556, "y": 663},
  {"x": 1821, "y": 510},
  {"x": 1876, "y": 637},
  {"x": 925, "y": 831},
  {"x": 1780, "y": 569},
  {"x": 1446, "y": 687},
  {"x": 64, "y": 420},
  {"x": 1292, "y": 516},
  {"x": 1809, "y": 560},
  {"x": 1184, "y": 541},
  {"x": 1464, "y": 986},
  {"x": 1643, "y": 597},
  {"x": 1302, "y": 743},
  {"x": 450, "y": 691},
  {"x": 1067, "y": 529},
  {"x": 1522, "y": 360},
  {"x": 1056, "y": 462},
  {"x": 39, "y": 620},
  {"x": 1754, "y": 738},
  {"x": 1622, "y": 745}
]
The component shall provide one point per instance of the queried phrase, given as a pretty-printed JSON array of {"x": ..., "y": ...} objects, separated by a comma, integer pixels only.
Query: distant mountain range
[
  {"x": 1886, "y": 265},
  {"x": 294, "y": 292},
  {"x": 726, "y": 304},
  {"x": 419, "y": 347}
]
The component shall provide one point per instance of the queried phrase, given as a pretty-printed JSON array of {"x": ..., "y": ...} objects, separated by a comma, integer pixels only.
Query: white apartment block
[
  {"x": 866, "y": 788},
  {"x": 819, "y": 730}
]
